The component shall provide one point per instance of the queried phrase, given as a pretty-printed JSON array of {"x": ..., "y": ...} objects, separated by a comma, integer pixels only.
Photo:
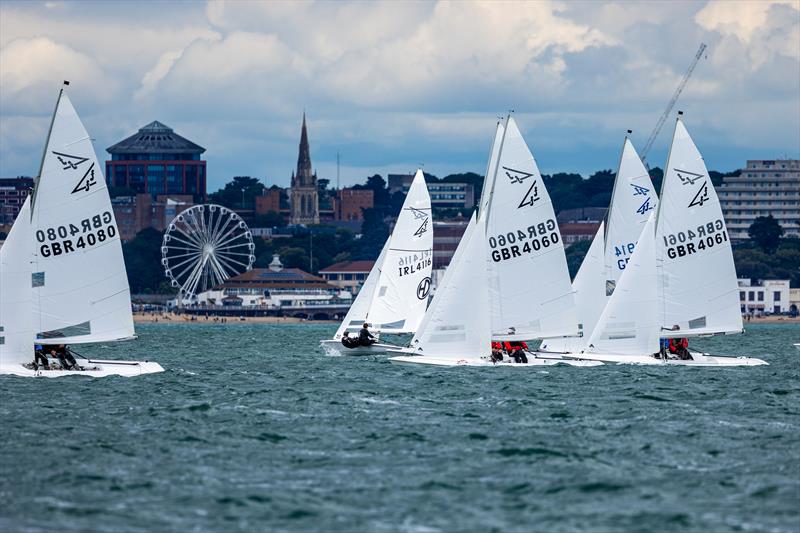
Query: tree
[
  {"x": 270, "y": 219},
  {"x": 766, "y": 232},
  {"x": 239, "y": 193},
  {"x": 143, "y": 262},
  {"x": 575, "y": 254}
]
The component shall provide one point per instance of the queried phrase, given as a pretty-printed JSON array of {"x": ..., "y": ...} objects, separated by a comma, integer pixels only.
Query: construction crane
[{"x": 663, "y": 118}]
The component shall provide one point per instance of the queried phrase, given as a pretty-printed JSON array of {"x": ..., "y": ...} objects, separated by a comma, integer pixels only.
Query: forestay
[
  {"x": 357, "y": 314},
  {"x": 80, "y": 287},
  {"x": 488, "y": 182},
  {"x": 697, "y": 278},
  {"x": 401, "y": 296},
  {"x": 16, "y": 326},
  {"x": 629, "y": 324},
  {"x": 529, "y": 286},
  {"x": 456, "y": 324}
]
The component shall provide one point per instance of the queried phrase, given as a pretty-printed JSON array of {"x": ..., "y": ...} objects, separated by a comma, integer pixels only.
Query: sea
[{"x": 253, "y": 428}]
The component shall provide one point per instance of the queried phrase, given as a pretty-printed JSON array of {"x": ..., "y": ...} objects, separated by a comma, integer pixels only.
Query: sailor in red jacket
[{"x": 680, "y": 347}]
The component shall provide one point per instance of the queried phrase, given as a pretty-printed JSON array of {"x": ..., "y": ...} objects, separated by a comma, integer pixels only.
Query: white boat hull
[
  {"x": 533, "y": 362},
  {"x": 95, "y": 368},
  {"x": 698, "y": 360},
  {"x": 334, "y": 347}
]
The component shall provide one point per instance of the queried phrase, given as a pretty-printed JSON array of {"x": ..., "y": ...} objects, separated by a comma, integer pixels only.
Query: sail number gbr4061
[
  {"x": 506, "y": 246},
  {"x": 689, "y": 242},
  {"x": 72, "y": 238}
]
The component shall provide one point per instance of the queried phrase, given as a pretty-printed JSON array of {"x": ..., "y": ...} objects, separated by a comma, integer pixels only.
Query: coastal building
[
  {"x": 794, "y": 301},
  {"x": 277, "y": 290},
  {"x": 350, "y": 203},
  {"x": 443, "y": 194},
  {"x": 303, "y": 194},
  {"x": 573, "y": 232},
  {"x": 446, "y": 236},
  {"x": 769, "y": 296},
  {"x": 155, "y": 161},
  {"x": 13, "y": 192},
  {"x": 135, "y": 213},
  {"x": 763, "y": 188},
  {"x": 349, "y": 275}
]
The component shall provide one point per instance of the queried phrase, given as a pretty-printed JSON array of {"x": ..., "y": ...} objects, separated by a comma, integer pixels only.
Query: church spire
[{"x": 304, "y": 157}]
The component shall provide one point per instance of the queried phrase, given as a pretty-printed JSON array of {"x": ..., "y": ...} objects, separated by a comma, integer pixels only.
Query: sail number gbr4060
[
  {"x": 689, "y": 242},
  {"x": 506, "y": 246},
  {"x": 71, "y": 237}
]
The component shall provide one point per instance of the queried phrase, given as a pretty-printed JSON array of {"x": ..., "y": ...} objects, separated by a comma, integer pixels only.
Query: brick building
[
  {"x": 13, "y": 192},
  {"x": 349, "y": 203},
  {"x": 135, "y": 213}
]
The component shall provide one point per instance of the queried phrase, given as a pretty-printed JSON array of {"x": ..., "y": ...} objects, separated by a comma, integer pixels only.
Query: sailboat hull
[
  {"x": 95, "y": 368},
  {"x": 532, "y": 362},
  {"x": 335, "y": 348},
  {"x": 698, "y": 360}
]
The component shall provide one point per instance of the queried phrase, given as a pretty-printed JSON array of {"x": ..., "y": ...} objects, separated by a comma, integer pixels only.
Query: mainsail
[
  {"x": 357, "y": 314},
  {"x": 529, "y": 286},
  {"x": 697, "y": 276},
  {"x": 456, "y": 324},
  {"x": 401, "y": 296},
  {"x": 16, "y": 326},
  {"x": 80, "y": 287}
]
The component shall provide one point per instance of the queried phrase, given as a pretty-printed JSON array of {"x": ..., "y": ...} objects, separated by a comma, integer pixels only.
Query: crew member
[
  {"x": 365, "y": 338},
  {"x": 64, "y": 356},
  {"x": 39, "y": 355},
  {"x": 680, "y": 347}
]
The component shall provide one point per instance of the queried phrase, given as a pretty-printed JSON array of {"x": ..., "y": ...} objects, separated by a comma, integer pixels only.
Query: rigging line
[
  {"x": 216, "y": 224},
  {"x": 180, "y": 240},
  {"x": 191, "y": 237}
]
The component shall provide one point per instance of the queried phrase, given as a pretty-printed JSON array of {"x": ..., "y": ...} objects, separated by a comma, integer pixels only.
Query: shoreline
[{"x": 172, "y": 318}]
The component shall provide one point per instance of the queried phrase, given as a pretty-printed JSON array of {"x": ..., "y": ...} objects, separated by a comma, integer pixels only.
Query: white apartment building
[
  {"x": 771, "y": 296},
  {"x": 763, "y": 188}
]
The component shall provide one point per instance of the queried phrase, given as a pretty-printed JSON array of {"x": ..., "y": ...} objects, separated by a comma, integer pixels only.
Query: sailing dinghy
[
  {"x": 681, "y": 281},
  {"x": 633, "y": 200},
  {"x": 63, "y": 278},
  {"x": 508, "y": 278},
  {"x": 394, "y": 296}
]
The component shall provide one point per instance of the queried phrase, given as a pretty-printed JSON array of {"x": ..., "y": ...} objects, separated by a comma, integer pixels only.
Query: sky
[{"x": 391, "y": 86}]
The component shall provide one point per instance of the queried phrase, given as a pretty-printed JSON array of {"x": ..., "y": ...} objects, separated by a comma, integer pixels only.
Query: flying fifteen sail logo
[
  {"x": 638, "y": 190},
  {"x": 69, "y": 162},
  {"x": 519, "y": 176},
  {"x": 645, "y": 207},
  {"x": 420, "y": 215},
  {"x": 701, "y": 197},
  {"x": 86, "y": 182},
  {"x": 686, "y": 177}
]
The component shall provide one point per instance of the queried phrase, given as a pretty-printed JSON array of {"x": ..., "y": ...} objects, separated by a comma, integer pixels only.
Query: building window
[
  {"x": 760, "y": 296},
  {"x": 751, "y": 296},
  {"x": 776, "y": 296},
  {"x": 741, "y": 295}
]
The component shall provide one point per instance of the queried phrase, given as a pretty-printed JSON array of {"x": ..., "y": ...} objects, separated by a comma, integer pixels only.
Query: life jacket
[{"x": 676, "y": 344}]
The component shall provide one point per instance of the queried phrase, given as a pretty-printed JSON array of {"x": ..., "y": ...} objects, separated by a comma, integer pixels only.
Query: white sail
[
  {"x": 590, "y": 297},
  {"x": 629, "y": 324},
  {"x": 357, "y": 314},
  {"x": 16, "y": 325},
  {"x": 80, "y": 287},
  {"x": 491, "y": 167},
  {"x": 529, "y": 286},
  {"x": 632, "y": 203},
  {"x": 457, "y": 322},
  {"x": 697, "y": 278},
  {"x": 401, "y": 297}
]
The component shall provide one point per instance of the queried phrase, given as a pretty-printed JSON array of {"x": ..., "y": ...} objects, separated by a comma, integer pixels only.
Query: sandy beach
[{"x": 141, "y": 318}]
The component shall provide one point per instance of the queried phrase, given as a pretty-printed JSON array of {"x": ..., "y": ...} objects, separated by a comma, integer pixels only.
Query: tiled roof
[
  {"x": 156, "y": 137},
  {"x": 288, "y": 278},
  {"x": 349, "y": 266}
]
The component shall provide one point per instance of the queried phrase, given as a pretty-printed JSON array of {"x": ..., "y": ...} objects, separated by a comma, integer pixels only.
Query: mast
[
  {"x": 486, "y": 187},
  {"x": 613, "y": 194},
  {"x": 494, "y": 174},
  {"x": 46, "y": 144}
]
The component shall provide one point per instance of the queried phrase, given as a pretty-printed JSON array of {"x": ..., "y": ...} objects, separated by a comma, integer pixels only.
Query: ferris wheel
[{"x": 204, "y": 246}]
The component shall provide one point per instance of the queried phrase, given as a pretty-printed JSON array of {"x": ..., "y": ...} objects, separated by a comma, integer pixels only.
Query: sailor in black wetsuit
[
  {"x": 64, "y": 357},
  {"x": 365, "y": 338}
]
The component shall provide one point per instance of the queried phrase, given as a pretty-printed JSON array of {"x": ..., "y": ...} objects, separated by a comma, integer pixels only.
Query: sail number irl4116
[
  {"x": 69, "y": 238},
  {"x": 515, "y": 243},
  {"x": 689, "y": 242}
]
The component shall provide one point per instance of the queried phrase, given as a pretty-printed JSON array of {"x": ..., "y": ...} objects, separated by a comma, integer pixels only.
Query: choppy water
[{"x": 252, "y": 428}]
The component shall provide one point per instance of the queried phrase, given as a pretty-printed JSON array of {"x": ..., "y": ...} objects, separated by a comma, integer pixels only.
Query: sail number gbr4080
[
  {"x": 506, "y": 246},
  {"x": 689, "y": 242},
  {"x": 71, "y": 237}
]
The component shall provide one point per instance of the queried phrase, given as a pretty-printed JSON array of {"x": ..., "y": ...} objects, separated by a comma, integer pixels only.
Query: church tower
[{"x": 303, "y": 192}]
